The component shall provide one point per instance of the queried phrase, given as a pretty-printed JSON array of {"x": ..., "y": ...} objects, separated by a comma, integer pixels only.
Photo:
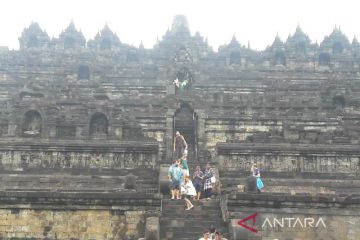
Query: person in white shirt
[
  {"x": 206, "y": 235},
  {"x": 188, "y": 190}
]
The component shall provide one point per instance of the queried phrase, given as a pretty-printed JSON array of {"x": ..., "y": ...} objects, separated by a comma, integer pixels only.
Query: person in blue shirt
[{"x": 176, "y": 178}]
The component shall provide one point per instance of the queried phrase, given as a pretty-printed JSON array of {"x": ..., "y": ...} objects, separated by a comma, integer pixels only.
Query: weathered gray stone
[
  {"x": 152, "y": 228},
  {"x": 164, "y": 182},
  {"x": 250, "y": 184}
]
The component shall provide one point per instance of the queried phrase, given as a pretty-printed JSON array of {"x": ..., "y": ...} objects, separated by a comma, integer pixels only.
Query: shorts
[
  {"x": 175, "y": 185},
  {"x": 198, "y": 187}
]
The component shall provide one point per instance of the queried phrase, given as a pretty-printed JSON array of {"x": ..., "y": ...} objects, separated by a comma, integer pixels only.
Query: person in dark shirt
[
  {"x": 198, "y": 181},
  {"x": 179, "y": 145}
]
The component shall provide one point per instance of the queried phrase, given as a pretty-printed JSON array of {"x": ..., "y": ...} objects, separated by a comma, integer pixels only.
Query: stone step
[
  {"x": 194, "y": 215},
  {"x": 211, "y": 202},
  {"x": 176, "y": 223},
  {"x": 188, "y": 233},
  {"x": 185, "y": 221}
]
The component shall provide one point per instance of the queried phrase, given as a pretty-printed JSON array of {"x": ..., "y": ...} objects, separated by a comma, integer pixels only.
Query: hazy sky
[{"x": 256, "y": 21}]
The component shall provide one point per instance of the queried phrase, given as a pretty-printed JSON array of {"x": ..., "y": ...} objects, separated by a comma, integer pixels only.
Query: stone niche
[
  {"x": 32, "y": 124},
  {"x": 99, "y": 125}
]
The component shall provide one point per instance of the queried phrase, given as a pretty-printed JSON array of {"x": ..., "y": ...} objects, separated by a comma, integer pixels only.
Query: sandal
[{"x": 187, "y": 209}]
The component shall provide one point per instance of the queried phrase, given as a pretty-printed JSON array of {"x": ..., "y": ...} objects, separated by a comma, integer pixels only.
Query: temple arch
[
  {"x": 185, "y": 122},
  {"x": 32, "y": 124},
  {"x": 99, "y": 124}
]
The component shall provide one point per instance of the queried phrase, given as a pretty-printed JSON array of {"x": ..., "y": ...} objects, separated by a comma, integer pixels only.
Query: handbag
[{"x": 259, "y": 183}]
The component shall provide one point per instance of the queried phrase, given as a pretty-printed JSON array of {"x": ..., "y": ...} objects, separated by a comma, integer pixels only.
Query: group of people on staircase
[
  {"x": 199, "y": 185},
  {"x": 179, "y": 176}
]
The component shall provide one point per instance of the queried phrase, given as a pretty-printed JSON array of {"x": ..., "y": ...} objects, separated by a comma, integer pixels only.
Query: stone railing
[
  {"x": 125, "y": 200},
  {"x": 21, "y": 155},
  {"x": 291, "y": 159}
]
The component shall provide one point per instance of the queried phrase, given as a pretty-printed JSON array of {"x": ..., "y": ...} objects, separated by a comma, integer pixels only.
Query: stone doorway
[{"x": 185, "y": 121}]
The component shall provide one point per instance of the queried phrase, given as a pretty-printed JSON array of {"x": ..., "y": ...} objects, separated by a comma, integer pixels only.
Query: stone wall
[
  {"x": 320, "y": 160},
  {"x": 68, "y": 155},
  {"x": 80, "y": 224},
  {"x": 235, "y": 129},
  {"x": 294, "y": 217},
  {"x": 41, "y": 215}
]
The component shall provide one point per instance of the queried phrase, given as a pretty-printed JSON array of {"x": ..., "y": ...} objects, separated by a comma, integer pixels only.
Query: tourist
[
  {"x": 176, "y": 177},
  {"x": 198, "y": 181},
  {"x": 176, "y": 82},
  {"x": 206, "y": 235},
  {"x": 208, "y": 174},
  {"x": 181, "y": 84},
  {"x": 218, "y": 236},
  {"x": 256, "y": 173},
  {"x": 179, "y": 145},
  {"x": 188, "y": 192},
  {"x": 185, "y": 167}
]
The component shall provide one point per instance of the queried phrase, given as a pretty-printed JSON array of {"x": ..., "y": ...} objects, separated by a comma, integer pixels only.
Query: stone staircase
[{"x": 176, "y": 223}]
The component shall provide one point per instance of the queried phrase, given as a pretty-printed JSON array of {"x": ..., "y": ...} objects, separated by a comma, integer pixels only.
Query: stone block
[
  {"x": 164, "y": 183},
  {"x": 239, "y": 232},
  {"x": 250, "y": 184},
  {"x": 130, "y": 181},
  {"x": 152, "y": 228},
  {"x": 170, "y": 89},
  {"x": 240, "y": 188}
]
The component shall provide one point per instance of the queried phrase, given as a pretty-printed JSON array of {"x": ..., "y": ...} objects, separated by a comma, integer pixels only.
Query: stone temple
[{"x": 87, "y": 129}]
